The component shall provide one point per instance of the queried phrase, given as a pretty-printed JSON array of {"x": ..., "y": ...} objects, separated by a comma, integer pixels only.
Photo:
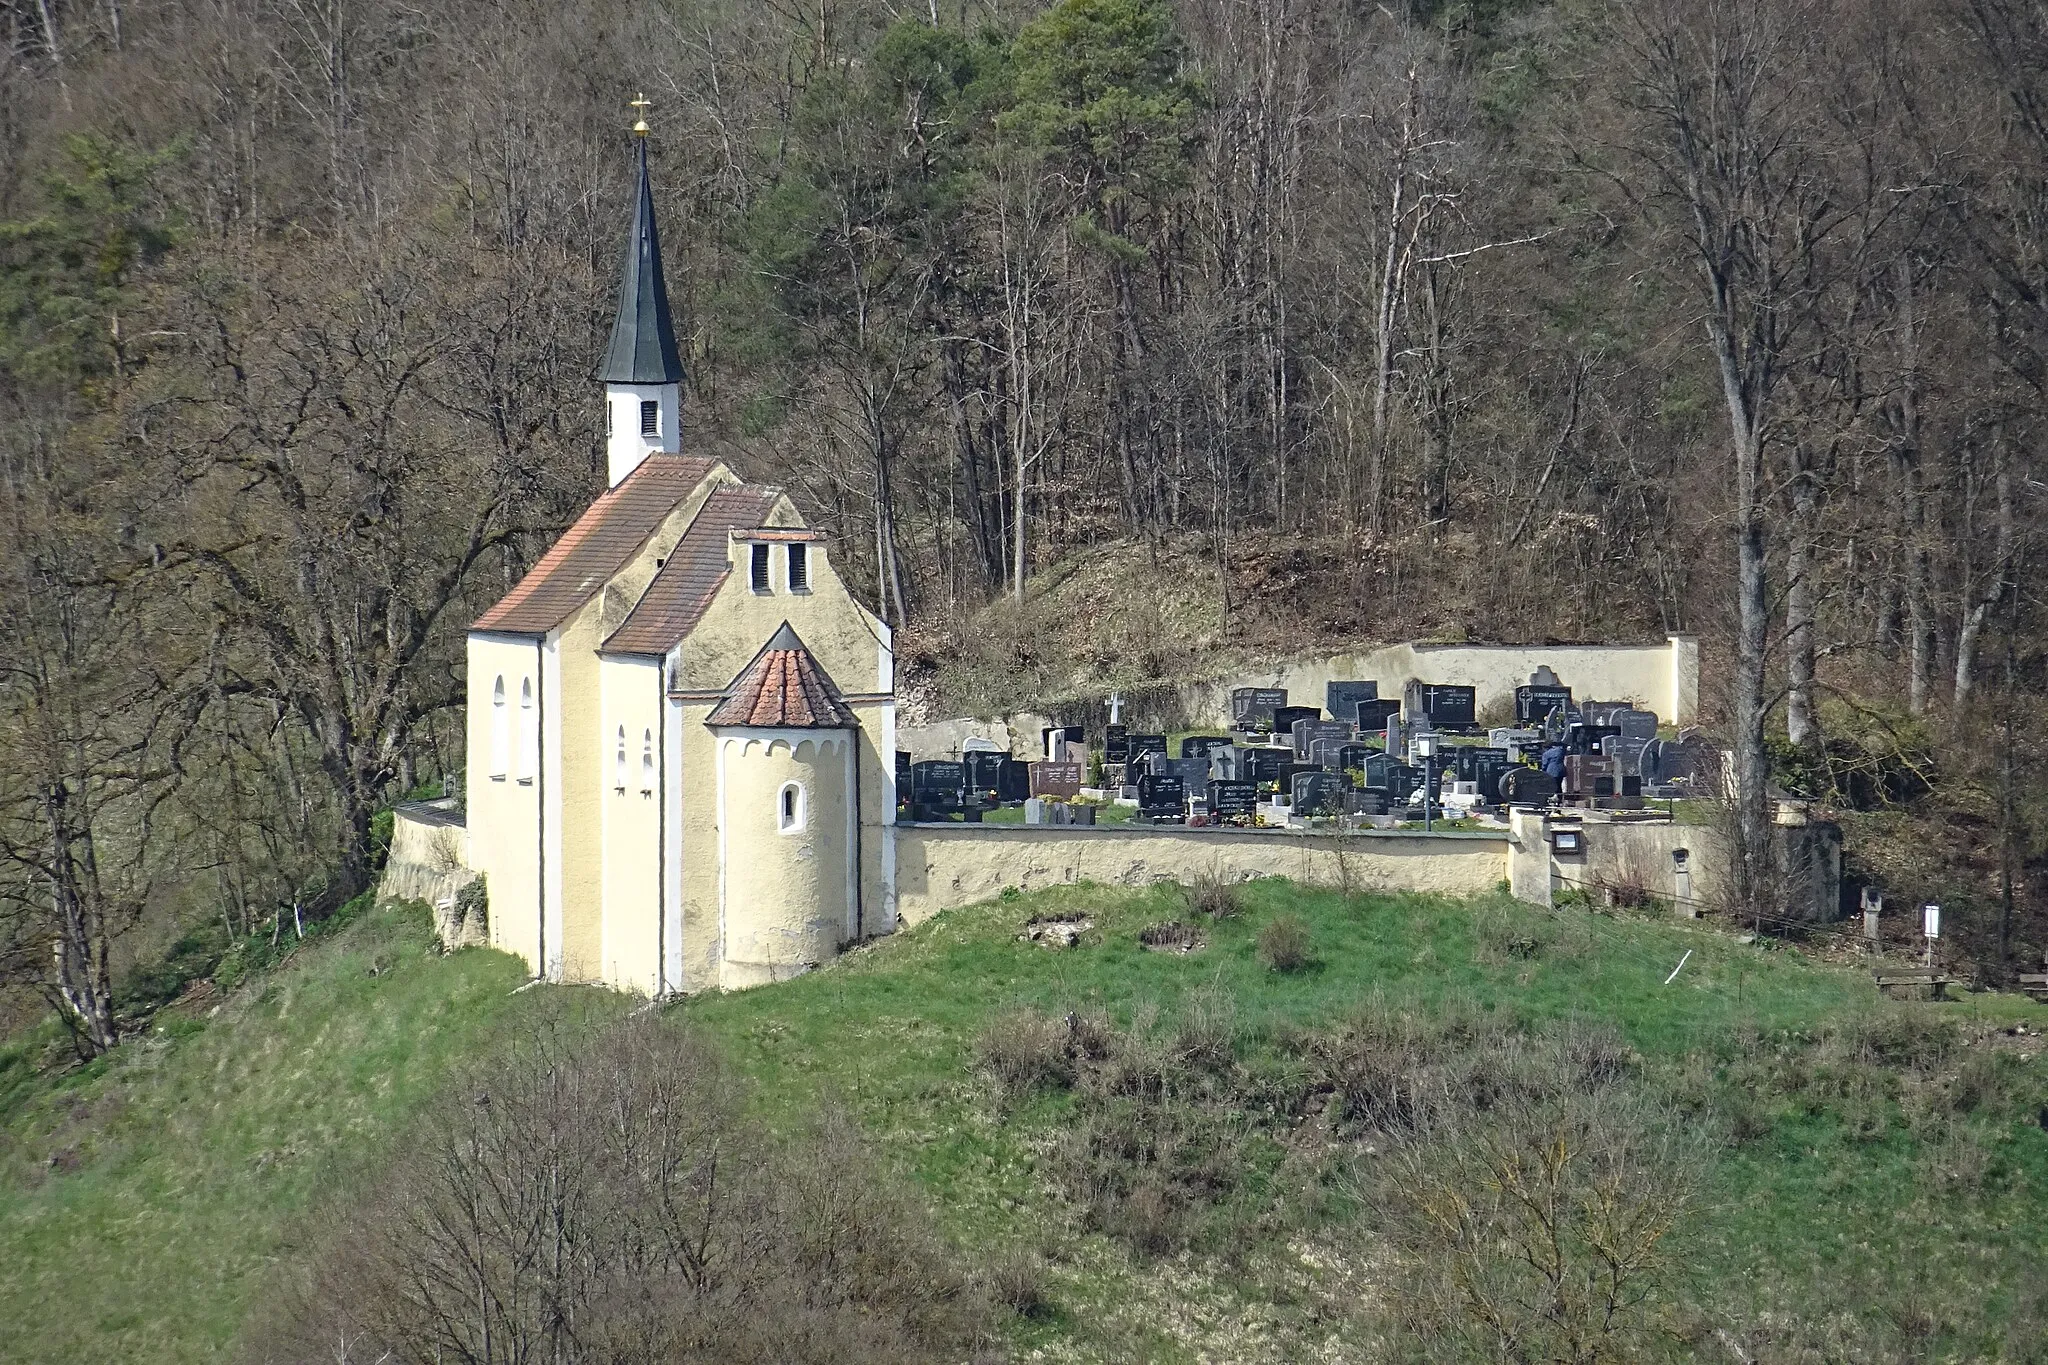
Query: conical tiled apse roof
[{"x": 783, "y": 688}]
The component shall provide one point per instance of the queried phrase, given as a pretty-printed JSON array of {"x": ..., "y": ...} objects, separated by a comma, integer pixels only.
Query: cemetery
[{"x": 1408, "y": 791}]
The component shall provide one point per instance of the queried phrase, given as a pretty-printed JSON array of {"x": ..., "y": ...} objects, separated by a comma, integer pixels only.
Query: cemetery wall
[
  {"x": 1017, "y": 734},
  {"x": 429, "y": 860},
  {"x": 1637, "y": 856},
  {"x": 1664, "y": 677},
  {"x": 939, "y": 867}
]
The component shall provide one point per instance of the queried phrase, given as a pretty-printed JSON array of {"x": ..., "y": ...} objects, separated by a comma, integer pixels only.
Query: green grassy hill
[{"x": 1876, "y": 1177}]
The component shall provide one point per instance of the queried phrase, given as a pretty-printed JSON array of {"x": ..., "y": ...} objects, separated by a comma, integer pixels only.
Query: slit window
[
  {"x": 529, "y": 733},
  {"x": 650, "y": 418},
  {"x": 501, "y": 729},
  {"x": 799, "y": 568},
  {"x": 646, "y": 761},
  {"x": 789, "y": 814},
  {"x": 759, "y": 570},
  {"x": 619, "y": 763}
]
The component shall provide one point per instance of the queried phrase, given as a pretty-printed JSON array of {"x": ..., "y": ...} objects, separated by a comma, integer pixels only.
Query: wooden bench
[
  {"x": 2035, "y": 984},
  {"x": 1938, "y": 981}
]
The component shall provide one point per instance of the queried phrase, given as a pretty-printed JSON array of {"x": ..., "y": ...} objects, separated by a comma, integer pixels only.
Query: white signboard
[{"x": 1930, "y": 920}]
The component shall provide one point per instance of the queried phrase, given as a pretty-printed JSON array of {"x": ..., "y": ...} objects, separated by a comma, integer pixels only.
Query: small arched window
[
  {"x": 789, "y": 815},
  {"x": 619, "y": 763},
  {"x": 647, "y": 760},
  {"x": 501, "y": 729},
  {"x": 529, "y": 733}
]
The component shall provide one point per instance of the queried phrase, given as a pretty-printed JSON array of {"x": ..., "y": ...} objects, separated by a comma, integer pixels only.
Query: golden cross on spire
[{"x": 640, "y": 105}]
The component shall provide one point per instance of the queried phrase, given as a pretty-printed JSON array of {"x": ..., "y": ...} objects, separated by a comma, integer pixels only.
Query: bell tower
[{"x": 642, "y": 373}]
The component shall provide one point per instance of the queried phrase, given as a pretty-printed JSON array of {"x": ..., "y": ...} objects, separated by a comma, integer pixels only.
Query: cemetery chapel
[{"x": 681, "y": 723}]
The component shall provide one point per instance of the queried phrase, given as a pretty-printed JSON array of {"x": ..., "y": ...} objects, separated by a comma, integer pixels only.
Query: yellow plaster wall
[
  {"x": 699, "y": 851},
  {"x": 503, "y": 813},
  {"x": 579, "y": 712},
  {"x": 630, "y": 818},
  {"x": 939, "y": 867},
  {"x": 786, "y": 895}
]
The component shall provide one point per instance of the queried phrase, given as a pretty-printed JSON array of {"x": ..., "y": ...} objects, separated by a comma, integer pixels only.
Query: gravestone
[
  {"x": 1284, "y": 718},
  {"x": 1487, "y": 775},
  {"x": 1341, "y": 699},
  {"x": 1528, "y": 787},
  {"x": 903, "y": 767},
  {"x": 1378, "y": 769},
  {"x": 1373, "y": 715},
  {"x": 1201, "y": 746},
  {"x": 984, "y": 768},
  {"x": 1307, "y": 732},
  {"x": 1543, "y": 677},
  {"x": 1193, "y": 772},
  {"x": 1116, "y": 744},
  {"x": 1447, "y": 706},
  {"x": 1516, "y": 742},
  {"x": 1627, "y": 755},
  {"x": 1162, "y": 797},
  {"x": 1533, "y": 703},
  {"x": 1233, "y": 800},
  {"x": 1054, "y": 737},
  {"x": 1262, "y": 765},
  {"x": 1013, "y": 782},
  {"x": 1318, "y": 793},
  {"x": 1252, "y": 708},
  {"x": 1226, "y": 765},
  {"x": 1404, "y": 784},
  {"x": 1636, "y": 724},
  {"x": 1358, "y": 802},
  {"x": 1351, "y": 757},
  {"x": 1141, "y": 745},
  {"x": 936, "y": 787},
  {"x": 1056, "y": 779},
  {"x": 1467, "y": 759},
  {"x": 977, "y": 744},
  {"x": 1603, "y": 712},
  {"x": 1589, "y": 775}
]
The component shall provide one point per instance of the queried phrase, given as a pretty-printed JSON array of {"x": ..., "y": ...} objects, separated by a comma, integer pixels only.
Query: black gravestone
[
  {"x": 1162, "y": 797},
  {"x": 1306, "y": 732},
  {"x": 1449, "y": 706},
  {"x": 1262, "y": 765},
  {"x": 1603, "y": 712},
  {"x": 1351, "y": 757},
  {"x": 1373, "y": 715},
  {"x": 984, "y": 770},
  {"x": 1116, "y": 744},
  {"x": 936, "y": 786},
  {"x": 1635, "y": 724},
  {"x": 1378, "y": 768},
  {"x": 1252, "y": 708},
  {"x": 1528, "y": 787},
  {"x": 1233, "y": 800},
  {"x": 1284, "y": 718},
  {"x": 1141, "y": 745},
  {"x": 1341, "y": 699},
  {"x": 1013, "y": 781},
  {"x": 1533, "y": 703},
  {"x": 1318, "y": 793},
  {"x": 1201, "y": 746}
]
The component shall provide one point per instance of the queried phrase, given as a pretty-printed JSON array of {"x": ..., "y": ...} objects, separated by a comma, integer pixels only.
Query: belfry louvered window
[
  {"x": 799, "y": 568},
  {"x": 650, "y": 418},
  {"x": 759, "y": 574}
]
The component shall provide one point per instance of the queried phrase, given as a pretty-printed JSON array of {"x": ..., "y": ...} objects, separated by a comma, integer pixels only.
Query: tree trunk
[{"x": 1802, "y": 722}]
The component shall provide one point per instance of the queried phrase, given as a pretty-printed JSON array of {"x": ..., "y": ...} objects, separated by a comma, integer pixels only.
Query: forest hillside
[{"x": 1521, "y": 319}]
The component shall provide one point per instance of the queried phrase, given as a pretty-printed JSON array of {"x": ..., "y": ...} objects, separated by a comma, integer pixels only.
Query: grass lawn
[{"x": 143, "y": 1200}]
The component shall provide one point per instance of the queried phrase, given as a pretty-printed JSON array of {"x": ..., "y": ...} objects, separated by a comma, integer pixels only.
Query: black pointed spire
[{"x": 643, "y": 347}]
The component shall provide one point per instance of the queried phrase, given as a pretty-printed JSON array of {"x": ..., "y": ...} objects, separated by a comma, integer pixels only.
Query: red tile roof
[
  {"x": 603, "y": 540},
  {"x": 683, "y": 588},
  {"x": 783, "y": 688}
]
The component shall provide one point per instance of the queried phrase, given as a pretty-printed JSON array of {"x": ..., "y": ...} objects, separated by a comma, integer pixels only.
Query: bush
[
  {"x": 1211, "y": 894},
  {"x": 1017, "y": 1282},
  {"x": 1025, "y": 1052},
  {"x": 607, "y": 1200},
  {"x": 1284, "y": 943}
]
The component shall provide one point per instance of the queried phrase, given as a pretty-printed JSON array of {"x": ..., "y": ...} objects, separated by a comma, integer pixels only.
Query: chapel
[{"x": 682, "y": 724}]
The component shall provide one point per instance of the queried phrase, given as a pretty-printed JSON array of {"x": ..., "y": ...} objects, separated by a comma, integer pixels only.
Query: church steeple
[{"x": 642, "y": 372}]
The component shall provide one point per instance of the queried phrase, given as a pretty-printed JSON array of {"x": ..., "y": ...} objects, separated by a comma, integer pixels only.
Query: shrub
[
  {"x": 1025, "y": 1052},
  {"x": 607, "y": 1200},
  {"x": 1284, "y": 943},
  {"x": 1017, "y": 1282},
  {"x": 1213, "y": 895}
]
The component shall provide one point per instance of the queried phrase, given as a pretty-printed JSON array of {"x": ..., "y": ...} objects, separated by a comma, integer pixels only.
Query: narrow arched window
[
  {"x": 501, "y": 729},
  {"x": 619, "y": 763},
  {"x": 529, "y": 733},
  {"x": 790, "y": 815},
  {"x": 647, "y": 760}
]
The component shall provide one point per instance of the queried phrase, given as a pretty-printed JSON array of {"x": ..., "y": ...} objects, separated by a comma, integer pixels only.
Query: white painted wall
[{"x": 625, "y": 447}]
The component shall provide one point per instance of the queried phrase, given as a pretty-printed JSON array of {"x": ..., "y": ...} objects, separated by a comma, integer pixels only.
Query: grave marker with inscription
[{"x": 1056, "y": 779}]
